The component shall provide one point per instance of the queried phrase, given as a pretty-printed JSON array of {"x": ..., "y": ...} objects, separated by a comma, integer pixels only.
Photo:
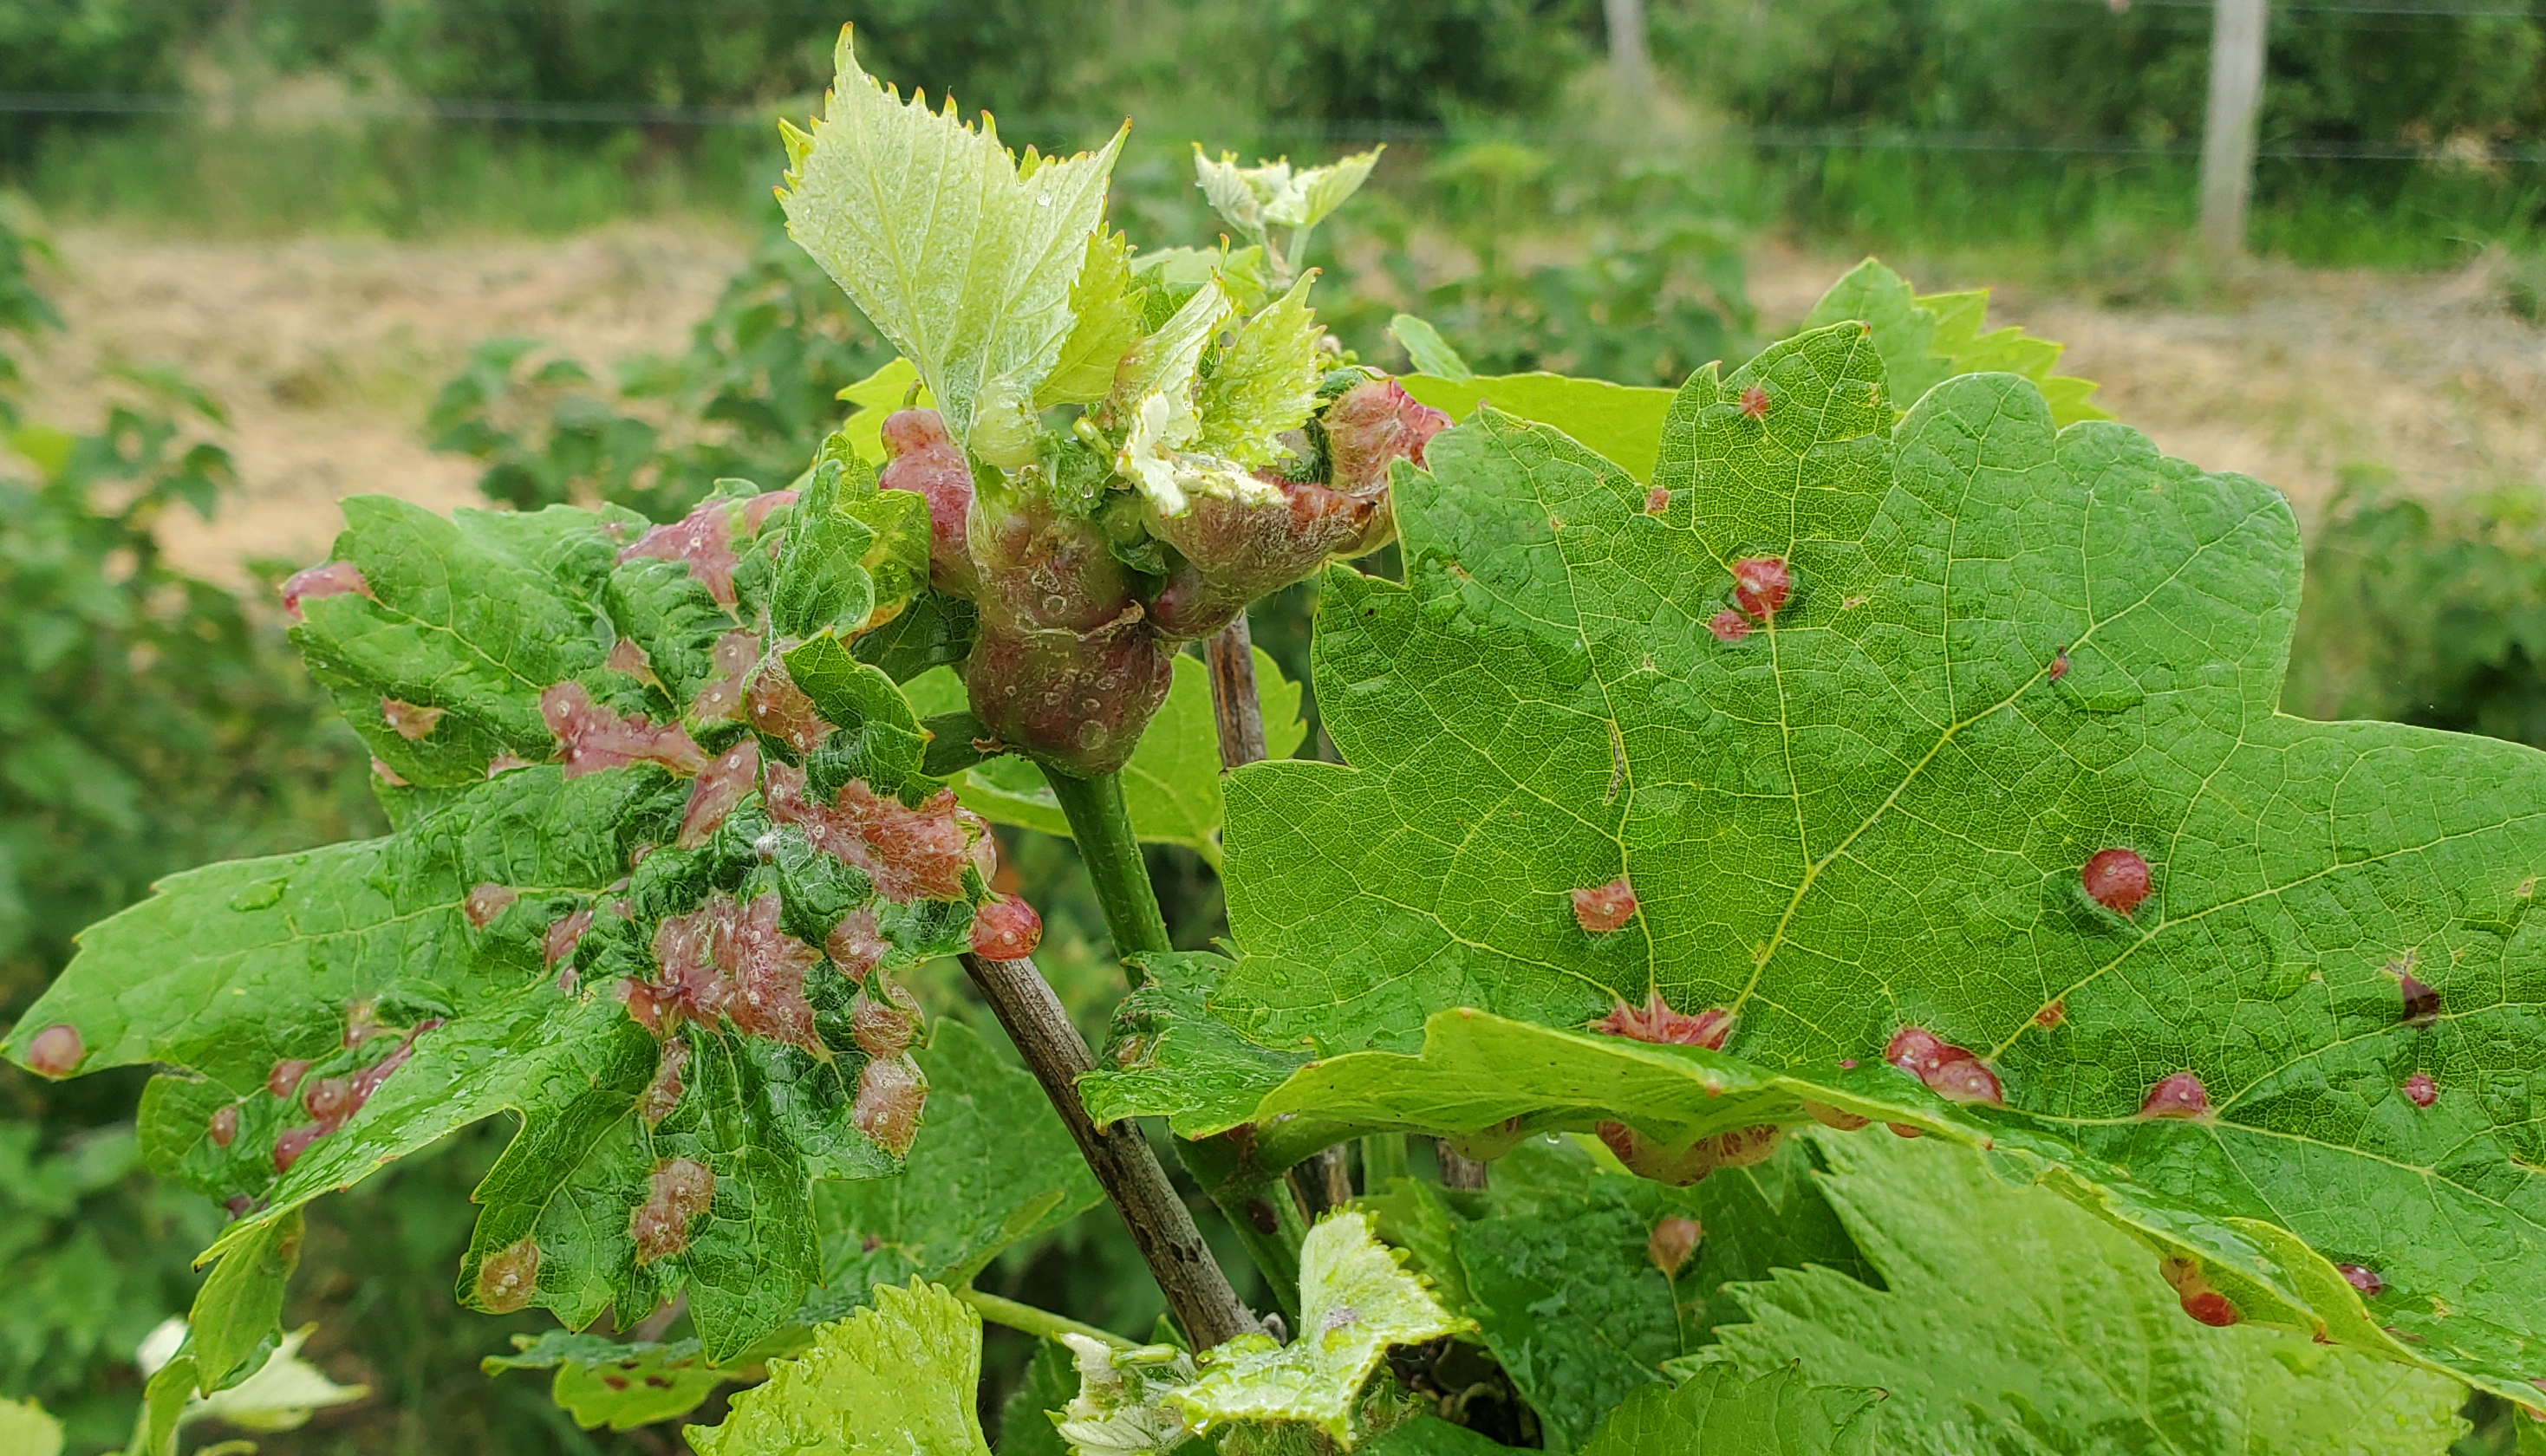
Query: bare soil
[{"x": 326, "y": 353}]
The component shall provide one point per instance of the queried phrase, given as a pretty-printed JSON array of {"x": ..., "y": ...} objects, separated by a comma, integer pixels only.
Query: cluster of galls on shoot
[
  {"x": 2118, "y": 880},
  {"x": 1083, "y": 600}
]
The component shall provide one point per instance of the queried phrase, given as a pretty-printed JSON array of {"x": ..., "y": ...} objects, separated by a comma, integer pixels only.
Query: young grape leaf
[
  {"x": 1171, "y": 786},
  {"x": 1927, "y": 339},
  {"x": 1829, "y": 743},
  {"x": 1026, "y": 1420},
  {"x": 625, "y": 947},
  {"x": 1355, "y": 1305},
  {"x": 897, "y": 1377},
  {"x": 1263, "y": 381},
  {"x": 956, "y": 251},
  {"x": 2014, "y": 1319},
  {"x": 601, "y": 1382},
  {"x": 1430, "y": 1436},
  {"x": 1622, "y": 423},
  {"x": 1717, "y": 1410},
  {"x": 1106, "y": 311},
  {"x": 26, "y": 1428},
  {"x": 1429, "y": 352},
  {"x": 240, "y": 1309}
]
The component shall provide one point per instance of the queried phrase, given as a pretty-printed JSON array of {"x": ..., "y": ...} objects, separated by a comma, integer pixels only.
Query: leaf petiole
[{"x": 1042, "y": 1323}]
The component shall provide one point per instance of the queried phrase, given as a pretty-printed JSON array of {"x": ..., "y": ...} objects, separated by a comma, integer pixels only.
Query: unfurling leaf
[
  {"x": 1106, "y": 312},
  {"x": 1264, "y": 381},
  {"x": 958, "y": 253},
  {"x": 2004, "y": 1313},
  {"x": 894, "y": 1379},
  {"x": 1272, "y": 193},
  {"x": 1851, "y": 707},
  {"x": 1430, "y": 352}
]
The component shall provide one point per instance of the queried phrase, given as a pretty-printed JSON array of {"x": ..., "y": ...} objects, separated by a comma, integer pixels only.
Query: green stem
[
  {"x": 1042, "y": 1323},
  {"x": 1383, "y": 1156},
  {"x": 1106, "y": 844}
]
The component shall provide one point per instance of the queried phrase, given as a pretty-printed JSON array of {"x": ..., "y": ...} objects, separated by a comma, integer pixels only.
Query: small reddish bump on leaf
[
  {"x": 506, "y": 763},
  {"x": 333, "y": 579},
  {"x": 664, "y": 1094},
  {"x": 1674, "y": 1240},
  {"x": 224, "y": 1125},
  {"x": 679, "y": 1190},
  {"x": 723, "y": 783},
  {"x": 1006, "y": 929},
  {"x": 563, "y": 934},
  {"x": 285, "y": 1079},
  {"x": 237, "y": 1205},
  {"x": 2365, "y": 1280},
  {"x": 1601, "y": 909},
  {"x": 2059, "y": 667},
  {"x": 628, "y": 655},
  {"x": 409, "y": 720},
  {"x": 2050, "y": 1016},
  {"x": 2116, "y": 879},
  {"x": 485, "y": 901},
  {"x": 856, "y": 945},
  {"x": 1829, "y": 1116},
  {"x": 2180, "y": 1094},
  {"x": 508, "y": 1277},
  {"x": 702, "y": 540},
  {"x": 1905, "y": 1130},
  {"x": 1754, "y": 402},
  {"x": 1729, "y": 626},
  {"x": 56, "y": 1050},
  {"x": 1966, "y": 1081},
  {"x": 2420, "y": 1089},
  {"x": 386, "y": 775},
  {"x": 883, "y": 1027},
  {"x": 1760, "y": 583},
  {"x": 2421, "y": 1003},
  {"x": 1948, "y": 1071},
  {"x": 1657, "y": 501},
  {"x": 328, "y": 1099},
  {"x": 1847, "y": 1063},
  {"x": 1657, "y": 1023},
  {"x": 891, "y": 1094},
  {"x": 296, "y": 1141},
  {"x": 2194, "y": 1293}
]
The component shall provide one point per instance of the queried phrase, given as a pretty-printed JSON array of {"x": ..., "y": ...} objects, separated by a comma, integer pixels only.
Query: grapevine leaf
[
  {"x": 956, "y": 251},
  {"x": 1355, "y": 1304},
  {"x": 1263, "y": 381},
  {"x": 1106, "y": 312},
  {"x": 991, "y": 1168},
  {"x": 240, "y": 1309},
  {"x": 2015, "y": 1320},
  {"x": 897, "y": 1377},
  {"x": 1995, "y": 650},
  {"x": 877, "y": 397},
  {"x": 1717, "y": 1410},
  {"x": 1432, "y": 354},
  {"x": 602, "y": 1382},
  {"x": 1622, "y": 423},
  {"x": 1172, "y": 783},
  {"x": 1274, "y": 194},
  {"x": 1026, "y": 1420},
  {"x": 25, "y": 1427},
  {"x": 1927, "y": 339},
  {"x": 1430, "y": 1436},
  {"x": 625, "y": 949}
]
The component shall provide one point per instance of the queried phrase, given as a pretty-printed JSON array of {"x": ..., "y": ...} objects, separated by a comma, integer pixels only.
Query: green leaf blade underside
[
  {"x": 958, "y": 253},
  {"x": 2014, "y": 1321},
  {"x": 894, "y": 1379},
  {"x": 2006, "y": 649},
  {"x": 1621, "y": 423}
]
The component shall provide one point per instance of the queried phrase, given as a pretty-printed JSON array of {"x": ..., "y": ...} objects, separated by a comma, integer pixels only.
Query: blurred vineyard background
[{"x": 256, "y": 254}]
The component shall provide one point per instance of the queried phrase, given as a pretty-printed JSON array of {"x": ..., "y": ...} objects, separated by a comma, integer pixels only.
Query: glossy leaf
[
  {"x": 239, "y": 1312},
  {"x": 2014, "y": 1320},
  {"x": 1717, "y": 1410},
  {"x": 1994, "y": 650},
  {"x": 1430, "y": 352},
  {"x": 602, "y": 1382},
  {"x": 1621, "y": 423},
  {"x": 895, "y": 1378},
  {"x": 958, "y": 252},
  {"x": 1106, "y": 312}
]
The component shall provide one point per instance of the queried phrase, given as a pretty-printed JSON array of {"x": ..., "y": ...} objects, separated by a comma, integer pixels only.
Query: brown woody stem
[
  {"x": 1162, "y": 1228},
  {"x": 1236, "y": 710}
]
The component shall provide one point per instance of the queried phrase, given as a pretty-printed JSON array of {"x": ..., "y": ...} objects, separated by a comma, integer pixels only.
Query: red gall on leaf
[
  {"x": 222, "y": 1126},
  {"x": 388, "y": 775},
  {"x": 664, "y": 1094},
  {"x": 1760, "y": 583},
  {"x": 891, "y": 1094},
  {"x": 855, "y": 945},
  {"x": 2420, "y": 1089},
  {"x": 506, "y": 763},
  {"x": 284, "y": 1078},
  {"x": 1657, "y": 501},
  {"x": 883, "y": 1024},
  {"x": 328, "y": 1099},
  {"x": 761, "y": 507},
  {"x": 1601, "y": 909},
  {"x": 334, "y": 578},
  {"x": 1742, "y": 1146},
  {"x": 1370, "y": 426},
  {"x": 2363, "y": 1279},
  {"x": 2421, "y": 1003},
  {"x": 628, "y": 655},
  {"x": 508, "y": 1277},
  {"x": 1948, "y": 1071},
  {"x": 408, "y": 720},
  {"x": 485, "y": 901},
  {"x": 367, "y": 1081},
  {"x": 1006, "y": 929},
  {"x": 780, "y": 709},
  {"x": 2199, "y": 1299},
  {"x": 2059, "y": 667},
  {"x": 1657, "y": 1023},
  {"x": 56, "y": 1050},
  {"x": 2050, "y": 1016},
  {"x": 1754, "y": 402},
  {"x": 1729, "y": 626},
  {"x": 1905, "y": 1130},
  {"x": 731, "y": 959},
  {"x": 678, "y": 1191},
  {"x": 2181, "y": 1095},
  {"x": 591, "y": 736},
  {"x": 910, "y": 853},
  {"x": 2116, "y": 879},
  {"x": 1674, "y": 1240},
  {"x": 720, "y": 786},
  {"x": 1831, "y": 1117},
  {"x": 702, "y": 540},
  {"x": 731, "y": 661},
  {"x": 296, "y": 1141},
  {"x": 563, "y": 934},
  {"x": 920, "y": 458}
]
